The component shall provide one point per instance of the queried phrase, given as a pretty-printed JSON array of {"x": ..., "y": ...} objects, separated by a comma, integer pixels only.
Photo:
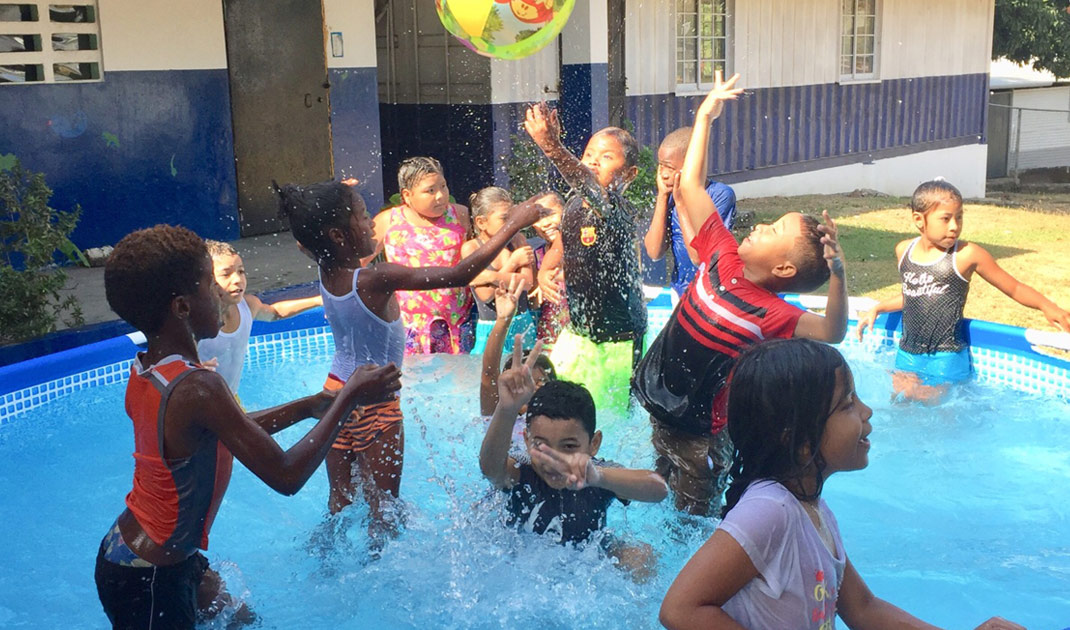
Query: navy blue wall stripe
[
  {"x": 355, "y": 130},
  {"x": 137, "y": 149},
  {"x": 773, "y": 127}
]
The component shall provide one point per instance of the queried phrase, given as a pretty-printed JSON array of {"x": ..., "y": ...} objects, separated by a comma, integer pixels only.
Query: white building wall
[
  {"x": 1045, "y": 140},
  {"x": 162, "y": 35},
  {"x": 354, "y": 19},
  {"x": 775, "y": 43}
]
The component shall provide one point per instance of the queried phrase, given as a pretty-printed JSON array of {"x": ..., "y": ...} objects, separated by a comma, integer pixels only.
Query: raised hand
[
  {"x": 371, "y": 384},
  {"x": 829, "y": 238},
  {"x": 575, "y": 471},
  {"x": 528, "y": 212},
  {"x": 516, "y": 385},
  {"x": 507, "y": 297},
  {"x": 722, "y": 91},
  {"x": 542, "y": 124}
]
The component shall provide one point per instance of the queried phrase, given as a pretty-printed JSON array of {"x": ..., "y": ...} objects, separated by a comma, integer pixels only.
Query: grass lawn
[{"x": 1029, "y": 234}]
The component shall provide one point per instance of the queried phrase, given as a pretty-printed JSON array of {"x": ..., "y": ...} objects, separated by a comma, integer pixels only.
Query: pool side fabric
[{"x": 1002, "y": 355}]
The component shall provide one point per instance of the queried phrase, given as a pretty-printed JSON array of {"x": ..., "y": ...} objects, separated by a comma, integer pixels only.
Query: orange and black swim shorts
[{"x": 366, "y": 424}]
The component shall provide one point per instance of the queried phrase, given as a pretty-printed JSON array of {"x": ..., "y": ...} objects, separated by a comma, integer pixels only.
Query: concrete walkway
[{"x": 272, "y": 261}]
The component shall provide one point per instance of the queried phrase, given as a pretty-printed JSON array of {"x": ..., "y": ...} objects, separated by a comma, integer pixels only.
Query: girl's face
[
  {"x": 489, "y": 224},
  {"x": 549, "y": 227},
  {"x": 845, "y": 442},
  {"x": 942, "y": 225},
  {"x": 430, "y": 197}
]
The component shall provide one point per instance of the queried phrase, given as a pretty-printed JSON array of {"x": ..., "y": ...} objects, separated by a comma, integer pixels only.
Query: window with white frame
[
  {"x": 41, "y": 42},
  {"x": 701, "y": 42},
  {"x": 858, "y": 40}
]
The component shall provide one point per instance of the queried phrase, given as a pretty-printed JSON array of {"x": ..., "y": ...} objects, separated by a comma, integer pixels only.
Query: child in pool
[
  {"x": 226, "y": 351},
  {"x": 731, "y": 304},
  {"x": 564, "y": 483},
  {"x": 362, "y": 307},
  {"x": 777, "y": 560},
  {"x": 552, "y": 309},
  {"x": 490, "y": 207},
  {"x": 187, "y": 429},
  {"x": 426, "y": 230},
  {"x": 598, "y": 254},
  {"x": 936, "y": 268},
  {"x": 671, "y": 228}
]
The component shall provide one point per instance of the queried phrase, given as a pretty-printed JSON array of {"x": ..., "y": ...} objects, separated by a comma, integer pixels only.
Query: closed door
[{"x": 280, "y": 102}]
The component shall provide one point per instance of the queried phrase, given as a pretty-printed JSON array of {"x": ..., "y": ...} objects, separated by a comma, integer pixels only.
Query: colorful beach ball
[{"x": 506, "y": 29}]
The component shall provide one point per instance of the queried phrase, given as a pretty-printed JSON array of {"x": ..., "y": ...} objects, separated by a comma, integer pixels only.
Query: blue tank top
[
  {"x": 934, "y": 295},
  {"x": 360, "y": 336}
]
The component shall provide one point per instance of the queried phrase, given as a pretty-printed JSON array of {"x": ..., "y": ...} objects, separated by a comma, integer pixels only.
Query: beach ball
[{"x": 506, "y": 29}]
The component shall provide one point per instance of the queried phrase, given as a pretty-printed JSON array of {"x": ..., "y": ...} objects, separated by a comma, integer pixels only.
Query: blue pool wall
[{"x": 1001, "y": 354}]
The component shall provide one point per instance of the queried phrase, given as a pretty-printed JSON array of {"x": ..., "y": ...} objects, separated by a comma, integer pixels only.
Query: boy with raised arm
[{"x": 731, "y": 304}]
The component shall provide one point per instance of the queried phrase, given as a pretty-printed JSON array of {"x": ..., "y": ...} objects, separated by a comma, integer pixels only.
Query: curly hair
[
  {"x": 150, "y": 267},
  {"x": 808, "y": 255},
  {"x": 219, "y": 248},
  {"x": 563, "y": 400},
  {"x": 779, "y": 400},
  {"x": 314, "y": 209}
]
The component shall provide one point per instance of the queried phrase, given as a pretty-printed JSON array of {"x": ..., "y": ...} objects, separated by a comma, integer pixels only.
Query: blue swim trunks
[{"x": 936, "y": 368}]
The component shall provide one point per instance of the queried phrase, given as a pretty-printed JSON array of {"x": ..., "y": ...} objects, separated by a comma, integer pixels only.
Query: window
[
  {"x": 858, "y": 40},
  {"x": 49, "y": 43},
  {"x": 701, "y": 42}
]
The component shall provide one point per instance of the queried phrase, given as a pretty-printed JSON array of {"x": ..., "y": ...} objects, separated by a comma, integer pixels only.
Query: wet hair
[
  {"x": 563, "y": 400},
  {"x": 779, "y": 399},
  {"x": 413, "y": 169},
  {"x": 314, "y": 209},
  {"x": 808, "y": 255},
  {"x": 627, "y": 143},
  {"x": 149, "y": 268},
  {"x": 219, "y": 248},
  {"x": 542, "y": 362},
  {"x": 677, "y": 140},
  {"x": 481, "y": 203},
  {"x": 931, "y": 194},
  {"x": 550, "y": 194}
]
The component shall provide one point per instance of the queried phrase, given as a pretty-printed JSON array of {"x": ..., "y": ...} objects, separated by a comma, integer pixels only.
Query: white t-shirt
[
  {"x": 799, "y": 578},
  {"x": 229, "y": 348}
]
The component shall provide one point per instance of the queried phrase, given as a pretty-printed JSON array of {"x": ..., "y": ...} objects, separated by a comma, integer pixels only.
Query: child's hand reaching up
[
  {"x": 722, "y": 91},
  {"x": 516, "y": 385},
  {"x": 829, "y": 238},
  {"x": 506, "y": 298},
  {"x": 542, "y": 124}
]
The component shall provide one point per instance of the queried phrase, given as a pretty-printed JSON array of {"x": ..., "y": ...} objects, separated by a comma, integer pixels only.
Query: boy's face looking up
[
  {"x": 670, "y": 161},
  {"x": 430, "y": 197},
  {"x": 604, "y": 155},
  {"x": 564, "y": 436},
  {"x": 230, "y": 274},
  {"x": 767, "y": 249}
]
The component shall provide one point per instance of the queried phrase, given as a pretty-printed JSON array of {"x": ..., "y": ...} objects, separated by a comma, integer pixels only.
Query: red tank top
[{"x": 174, "y": 500}]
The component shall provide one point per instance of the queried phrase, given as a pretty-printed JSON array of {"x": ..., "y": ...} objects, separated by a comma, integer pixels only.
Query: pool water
[{"x": 962, "y": 514}]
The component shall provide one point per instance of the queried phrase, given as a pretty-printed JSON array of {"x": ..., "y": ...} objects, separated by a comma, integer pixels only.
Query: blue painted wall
[
  {"x": 134, "y": 150},
  {"x": 584, "y": 102},
  {"x": 355, "y": 130},
  {"x": 809, "y": 125}
]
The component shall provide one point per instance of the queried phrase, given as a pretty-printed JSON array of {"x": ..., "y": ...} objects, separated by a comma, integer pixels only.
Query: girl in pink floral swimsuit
[{"x": 428, "y": 231}]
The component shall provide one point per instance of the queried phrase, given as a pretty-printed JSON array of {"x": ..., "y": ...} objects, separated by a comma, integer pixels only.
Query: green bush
[{"x": 31, "y": 234}]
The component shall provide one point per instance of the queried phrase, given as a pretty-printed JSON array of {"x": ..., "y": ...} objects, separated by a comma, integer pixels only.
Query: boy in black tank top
[
  {"x": 936, "y": 269},
  {"x": 599, "y": 248}
]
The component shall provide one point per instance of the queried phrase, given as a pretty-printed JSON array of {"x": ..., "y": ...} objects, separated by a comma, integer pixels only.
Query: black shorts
[{"x": 163, "y": 598}]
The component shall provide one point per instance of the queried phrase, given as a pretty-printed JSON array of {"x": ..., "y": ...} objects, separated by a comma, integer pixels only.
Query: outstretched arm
[
  {"x": 207, "y": 402},
  {"x": 1020, "y": 292},
  {"x": 387, "y": 277},
  {"x": 832, "y": 327},
  {"x": 544, "y": 127},
  {"x": 281, "y": 309},
  {"x": 515, "y": 388},
  {"x": 579, "y": 471},
  {"x": 692, "y": 187},
  {"x": 505, "y": 301}
]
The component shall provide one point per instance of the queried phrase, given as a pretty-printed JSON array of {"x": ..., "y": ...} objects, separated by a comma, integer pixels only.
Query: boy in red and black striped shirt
[{"x": 731, "y": 304}]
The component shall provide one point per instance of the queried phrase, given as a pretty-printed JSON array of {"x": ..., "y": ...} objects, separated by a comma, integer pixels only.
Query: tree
[{"x": 1034, "y": 31}]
